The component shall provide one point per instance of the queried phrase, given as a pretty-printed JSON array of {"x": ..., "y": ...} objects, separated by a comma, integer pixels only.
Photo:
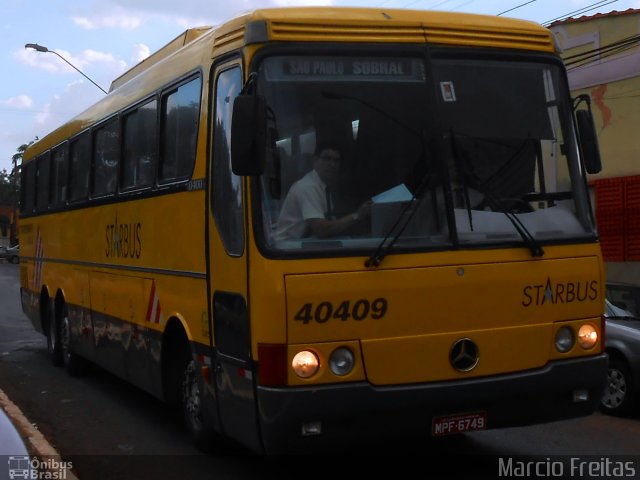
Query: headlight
[
  {"x": 587, "y": 336},
  {"x": 305, "y": 363},
  {"x": 341, "y": 361},
  {"x": 564, "y": 339}
]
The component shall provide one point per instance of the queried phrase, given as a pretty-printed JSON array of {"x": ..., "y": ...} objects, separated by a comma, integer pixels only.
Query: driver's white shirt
[{"x": 306, "y": 200}]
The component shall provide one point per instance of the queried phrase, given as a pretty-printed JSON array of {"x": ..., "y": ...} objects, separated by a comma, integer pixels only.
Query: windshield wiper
[
  {"x": 401, "y": 222},
  {"x": 497, "y": 204},
  {"x": 416, "y": 199}
]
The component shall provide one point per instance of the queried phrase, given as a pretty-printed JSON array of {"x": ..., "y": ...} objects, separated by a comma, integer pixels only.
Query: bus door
[{"x": 234, "y": 384}]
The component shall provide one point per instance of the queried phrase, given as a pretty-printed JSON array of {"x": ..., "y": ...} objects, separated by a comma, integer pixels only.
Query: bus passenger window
[
  {"x": 59, "y": 173},
  {"x": 29, "y": 190},
  {"x": 139, "y": 155},
  {"x": 42, "y": 192},
  {"x": 105, "y": 158},
  {"x": 179, "y": 131},
  {"x": 80, "y": 166}
]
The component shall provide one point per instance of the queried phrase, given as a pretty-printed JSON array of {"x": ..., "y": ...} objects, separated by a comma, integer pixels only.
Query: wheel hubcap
[
  {"x": 52, "y": 334},
  {"x": 191, "y": 395},
  {"x": 65, "y": 337},
  {"x": 616, "y": 389}
]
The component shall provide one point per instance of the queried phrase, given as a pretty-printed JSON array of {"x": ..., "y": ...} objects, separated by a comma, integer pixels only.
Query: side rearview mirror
[
  {"x": 589, "y": 141},
  {"x": 248, "y": 135}
]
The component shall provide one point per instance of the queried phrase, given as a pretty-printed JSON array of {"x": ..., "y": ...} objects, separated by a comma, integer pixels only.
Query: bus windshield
[{"x": 463, "y": 153}]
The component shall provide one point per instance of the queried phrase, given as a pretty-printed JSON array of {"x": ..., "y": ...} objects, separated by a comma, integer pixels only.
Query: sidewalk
[{"x": 42, "y": 454}]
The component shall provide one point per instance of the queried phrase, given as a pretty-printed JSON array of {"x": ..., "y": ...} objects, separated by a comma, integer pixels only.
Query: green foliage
[
  {"x": 9, "y": 187},
  {"x": 10, "y": 181},
  {"x": 8, "y": 194}
]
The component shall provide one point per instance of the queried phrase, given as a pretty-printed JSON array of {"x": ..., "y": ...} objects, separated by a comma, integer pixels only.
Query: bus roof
[
  {"x": 196, "y": 46},
  {"x": 174, "y": 45}
]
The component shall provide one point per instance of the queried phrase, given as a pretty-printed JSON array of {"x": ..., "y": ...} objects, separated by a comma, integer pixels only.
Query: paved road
[{"x": 111, "y": 430}]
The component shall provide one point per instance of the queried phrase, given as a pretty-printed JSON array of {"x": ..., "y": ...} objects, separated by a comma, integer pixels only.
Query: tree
[
  {"x": 10, "y": 181},
  {"x": 8, "y": 194}
]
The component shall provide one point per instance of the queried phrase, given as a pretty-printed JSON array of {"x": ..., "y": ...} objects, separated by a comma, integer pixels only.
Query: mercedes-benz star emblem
[{"x": 464, "y": 355}]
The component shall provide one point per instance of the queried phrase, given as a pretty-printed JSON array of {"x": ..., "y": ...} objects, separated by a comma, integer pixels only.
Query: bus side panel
[
  {"x": 122, "y": 345},
  {"x": 234, "y": 369},
  {"x": 80, "y": 319}
]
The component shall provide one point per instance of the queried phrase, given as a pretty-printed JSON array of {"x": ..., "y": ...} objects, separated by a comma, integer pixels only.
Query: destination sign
[{"x": 343, "y": 69}]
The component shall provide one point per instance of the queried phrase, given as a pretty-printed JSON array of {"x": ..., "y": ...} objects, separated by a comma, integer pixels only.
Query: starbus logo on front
[{"x": 553, "y": 293}]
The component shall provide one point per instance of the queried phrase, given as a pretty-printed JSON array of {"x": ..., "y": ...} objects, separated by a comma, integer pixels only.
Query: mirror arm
[
  {"x": 582, "y": 98},
  {"x": 248, "y": 87}
]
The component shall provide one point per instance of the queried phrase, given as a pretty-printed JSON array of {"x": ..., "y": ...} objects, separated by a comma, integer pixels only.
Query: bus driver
[{"x": 307, "y": 208}]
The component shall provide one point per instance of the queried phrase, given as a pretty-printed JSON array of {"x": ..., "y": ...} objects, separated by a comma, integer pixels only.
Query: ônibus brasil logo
[{"x": 25, "y": 467}]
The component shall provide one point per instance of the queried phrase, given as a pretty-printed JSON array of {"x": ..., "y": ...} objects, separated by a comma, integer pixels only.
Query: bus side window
[
  {"x": 140, "y": 154},
  {"x": 59, "y": 173},
  {"x": 29, "y": 195},
  {"x": 226, "y": 191},
  {"x": 80, "y": 167},
  {"x": 179, "y": 131},
  {"x": 105, "y": 157},
  {"x": 43, "y": 166}
]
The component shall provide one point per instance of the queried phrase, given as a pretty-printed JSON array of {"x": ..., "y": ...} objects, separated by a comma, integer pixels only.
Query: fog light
[
  {"x": 305, "y": 364},
  {"x": 341, "y": 361},
  {"x": 564, "y": 339},
  {"x": 587, "y": 336}
]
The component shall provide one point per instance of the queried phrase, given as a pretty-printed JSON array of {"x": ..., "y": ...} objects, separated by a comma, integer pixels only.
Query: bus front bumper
[{"x": 302, "y": 419}]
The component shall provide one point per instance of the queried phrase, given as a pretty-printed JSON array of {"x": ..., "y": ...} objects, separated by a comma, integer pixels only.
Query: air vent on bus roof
[
  {"x": 490, "y": 37},
  {"x": 355, "y": 33},
  {"x": 467, "y": 35}
]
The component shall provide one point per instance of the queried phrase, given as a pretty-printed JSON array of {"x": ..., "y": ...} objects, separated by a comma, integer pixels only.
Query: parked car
[
  {"x": 11, "y": 254},
  {"x": 622, "y": 343},
  {"x": 10, "y": 441}
]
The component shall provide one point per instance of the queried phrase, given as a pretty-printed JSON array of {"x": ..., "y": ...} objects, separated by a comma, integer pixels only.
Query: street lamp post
[{"x": 40, "y": 48}]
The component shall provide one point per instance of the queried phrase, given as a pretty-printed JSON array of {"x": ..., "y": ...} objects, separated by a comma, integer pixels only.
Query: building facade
[{"x": 602, "y": 54}]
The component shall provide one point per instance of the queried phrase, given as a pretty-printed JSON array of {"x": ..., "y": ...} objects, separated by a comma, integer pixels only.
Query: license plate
[{"x": 464, "y": 422}]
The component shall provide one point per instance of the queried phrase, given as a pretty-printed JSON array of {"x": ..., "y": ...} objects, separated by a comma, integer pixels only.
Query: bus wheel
[
  {"x": 618, "y": 398},
  {"x": 72, "y": 362},
  {"x": 53, "y": 336},
  {"x": 192, "y": 408}
]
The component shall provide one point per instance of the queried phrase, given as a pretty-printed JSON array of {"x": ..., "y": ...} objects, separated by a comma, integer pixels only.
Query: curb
[{"x": 34, "y": 440}]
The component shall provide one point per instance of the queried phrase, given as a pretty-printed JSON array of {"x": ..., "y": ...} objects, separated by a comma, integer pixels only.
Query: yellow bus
[{"x": 312, "y": 225}]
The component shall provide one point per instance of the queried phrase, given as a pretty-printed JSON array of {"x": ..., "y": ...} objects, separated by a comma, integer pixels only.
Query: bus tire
[
  {"x": 73, "y": 364},
  {"x": 53, "y": 335},
  {"x": 619, "y": 397},
  {"x": 192, "y": 406}
]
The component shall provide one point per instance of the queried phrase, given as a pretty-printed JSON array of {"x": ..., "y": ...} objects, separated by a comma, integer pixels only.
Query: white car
[{"x": 11, "y": 444}]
